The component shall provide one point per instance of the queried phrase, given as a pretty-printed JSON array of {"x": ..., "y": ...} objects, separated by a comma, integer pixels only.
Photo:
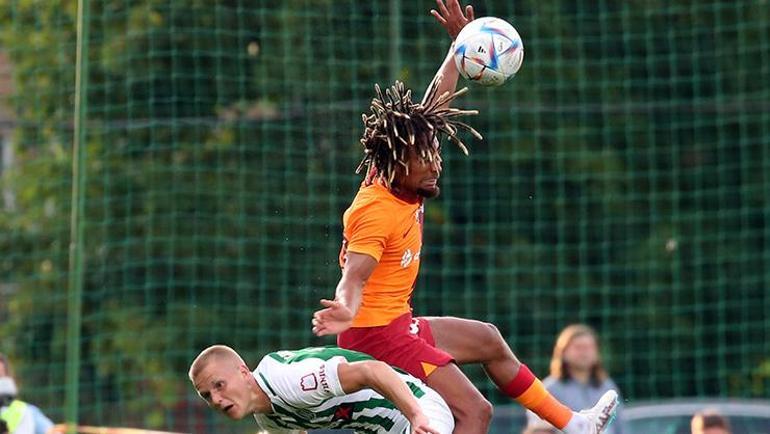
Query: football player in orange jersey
[{"x": 380, "y": 259}]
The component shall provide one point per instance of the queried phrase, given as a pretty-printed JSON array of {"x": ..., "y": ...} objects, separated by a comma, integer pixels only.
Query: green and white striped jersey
[{"x": 305, "y": 391}]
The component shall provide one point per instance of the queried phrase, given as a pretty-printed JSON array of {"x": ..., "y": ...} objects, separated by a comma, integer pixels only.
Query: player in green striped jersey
[{"x": 320, "y": 387}]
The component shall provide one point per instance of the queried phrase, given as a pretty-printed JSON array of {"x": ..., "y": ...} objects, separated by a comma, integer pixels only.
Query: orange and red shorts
[{"x": 406, "y": 343}]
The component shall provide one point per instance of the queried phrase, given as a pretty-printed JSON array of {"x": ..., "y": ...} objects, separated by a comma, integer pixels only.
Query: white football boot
[{"x": 594, "y": 420}]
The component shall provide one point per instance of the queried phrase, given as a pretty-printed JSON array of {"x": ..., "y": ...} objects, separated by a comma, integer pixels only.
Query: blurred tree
[{"x": 622, "y": 183}]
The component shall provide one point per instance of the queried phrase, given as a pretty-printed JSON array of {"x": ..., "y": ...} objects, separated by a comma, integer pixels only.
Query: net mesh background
[{"x": 623, "y": 182}]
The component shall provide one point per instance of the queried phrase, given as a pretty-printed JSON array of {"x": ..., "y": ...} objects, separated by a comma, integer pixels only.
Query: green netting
[{"x": 623, "y": 183}]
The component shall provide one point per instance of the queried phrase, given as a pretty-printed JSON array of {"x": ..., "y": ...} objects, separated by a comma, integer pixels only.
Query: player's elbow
[
  {"x": 379, "y": 366},
  {"x": 355, "y": 279},
  {"x": 374, "y": 373},
  {"x": 358, "y": 267},
  {"x": 373, "y": 369},
  {"x": 361, "y": 375}
]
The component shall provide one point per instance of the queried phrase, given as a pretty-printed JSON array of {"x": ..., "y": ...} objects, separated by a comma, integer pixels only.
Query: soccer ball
[{"x": 488, "y": 51}]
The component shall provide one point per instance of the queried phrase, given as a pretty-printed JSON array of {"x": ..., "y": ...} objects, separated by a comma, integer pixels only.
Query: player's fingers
[
  {"x": 329, "y": 303},
  {"x": 442, "y": 8},
  {"x": 318, "y": 328},
  {"x": 469, "y": 13},
  {"x": 454, "y": 6},
  {"x": 438, "y": 16},
  {"x": 323, "y": 315}
]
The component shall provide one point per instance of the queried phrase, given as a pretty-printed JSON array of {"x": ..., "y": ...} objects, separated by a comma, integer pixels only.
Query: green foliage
[{"x": 622, "y": 182}]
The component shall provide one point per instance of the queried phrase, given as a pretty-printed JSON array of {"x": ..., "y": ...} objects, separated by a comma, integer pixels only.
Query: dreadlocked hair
[{"x": 395, "y": 123}]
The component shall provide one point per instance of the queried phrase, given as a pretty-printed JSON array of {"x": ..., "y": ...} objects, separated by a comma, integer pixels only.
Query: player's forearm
[
  {"x": 385, "y": 381},
  {"x": 349, "y": 292},
  {"x": 448, "y": 73}
]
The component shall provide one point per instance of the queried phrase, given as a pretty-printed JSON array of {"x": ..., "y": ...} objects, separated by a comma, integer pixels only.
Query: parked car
[
  {"x": 655, "y": 417},
  {"x": 673, "y": 416}
]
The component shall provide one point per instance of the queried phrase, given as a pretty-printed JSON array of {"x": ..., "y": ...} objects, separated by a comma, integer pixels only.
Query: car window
[{"x": 681, "y": 425}]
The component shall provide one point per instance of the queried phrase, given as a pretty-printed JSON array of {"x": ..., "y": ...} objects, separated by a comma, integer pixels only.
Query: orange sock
[{"x": 528, "y": 391}]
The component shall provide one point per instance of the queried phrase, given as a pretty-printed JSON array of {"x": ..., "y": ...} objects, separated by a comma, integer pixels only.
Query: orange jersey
[{"x": 388, "y": 229}]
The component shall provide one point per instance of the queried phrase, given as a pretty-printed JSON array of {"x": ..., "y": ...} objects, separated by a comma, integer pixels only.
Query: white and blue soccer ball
[{"x": 488, "y": 51}]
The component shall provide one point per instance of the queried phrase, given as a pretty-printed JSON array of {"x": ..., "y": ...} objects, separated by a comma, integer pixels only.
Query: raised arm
[
  {"x": 384, "y": 380},
  {"x": 451, "y": 16},
  {"x": 337, "y": 315}
]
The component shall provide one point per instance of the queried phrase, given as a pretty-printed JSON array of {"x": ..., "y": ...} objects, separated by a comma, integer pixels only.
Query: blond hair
[
  {"x": 212, "y": 354},
  {"x": 560, "y": 369}
]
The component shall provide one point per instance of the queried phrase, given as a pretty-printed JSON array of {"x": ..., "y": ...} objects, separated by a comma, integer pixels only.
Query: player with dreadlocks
[
  {"x": 380, "y": 258},
  {"x": 398, "y": 128}
]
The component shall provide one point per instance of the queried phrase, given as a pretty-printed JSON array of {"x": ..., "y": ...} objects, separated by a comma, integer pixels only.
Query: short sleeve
[
  {"x": 42, "y": 423},
  {"x": 26, "y": 424},
  {"x": 367, "y": 231},
  {"x": 305, "y": 383}
]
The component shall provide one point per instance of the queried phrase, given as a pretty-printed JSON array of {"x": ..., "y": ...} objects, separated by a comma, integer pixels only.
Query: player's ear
[{"x": 244, "y": 370}]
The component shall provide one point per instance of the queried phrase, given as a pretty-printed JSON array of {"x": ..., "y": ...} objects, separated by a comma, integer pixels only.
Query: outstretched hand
[
  {"x": 420, "y": 425},
  {"x": 334, "y": 319},
  {"x": 451, "y": 16}
]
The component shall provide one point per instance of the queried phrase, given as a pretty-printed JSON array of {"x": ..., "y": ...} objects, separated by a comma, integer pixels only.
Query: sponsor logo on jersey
[
  {"x": 324, "y": 381},
  {"x": 409, "y": 257},
  {"x": 407, "y": 232}
]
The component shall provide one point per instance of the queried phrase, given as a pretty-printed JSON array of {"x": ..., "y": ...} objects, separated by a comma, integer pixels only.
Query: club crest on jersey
[
  {"x": 419, "y": 214},
  {"x": 308, "y": 382}
]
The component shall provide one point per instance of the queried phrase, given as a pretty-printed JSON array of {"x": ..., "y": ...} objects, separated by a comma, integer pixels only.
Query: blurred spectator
[
  {"x": 577, "y": 376},
  {"x": 16, "y": 414},
  {"x": 540, "y": 427},
  {"x": 709, "y": 422},
  {"x": 5, "y": 366},
  {"x": 41, "y": 423},
  {"x": 3, "y": 427}
]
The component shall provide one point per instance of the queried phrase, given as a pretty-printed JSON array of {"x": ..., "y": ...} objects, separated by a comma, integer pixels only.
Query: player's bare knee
[
  {"x": 485, "y": 411},
  {"x": 493, "y": 332},
  {"x": 475, "y": 408},
  {"x": 496, "y": 344},
  {"x": 480, "y": 411}
]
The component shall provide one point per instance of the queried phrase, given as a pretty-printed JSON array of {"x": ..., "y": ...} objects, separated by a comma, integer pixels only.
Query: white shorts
[{"x": 437, "y": 410}]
